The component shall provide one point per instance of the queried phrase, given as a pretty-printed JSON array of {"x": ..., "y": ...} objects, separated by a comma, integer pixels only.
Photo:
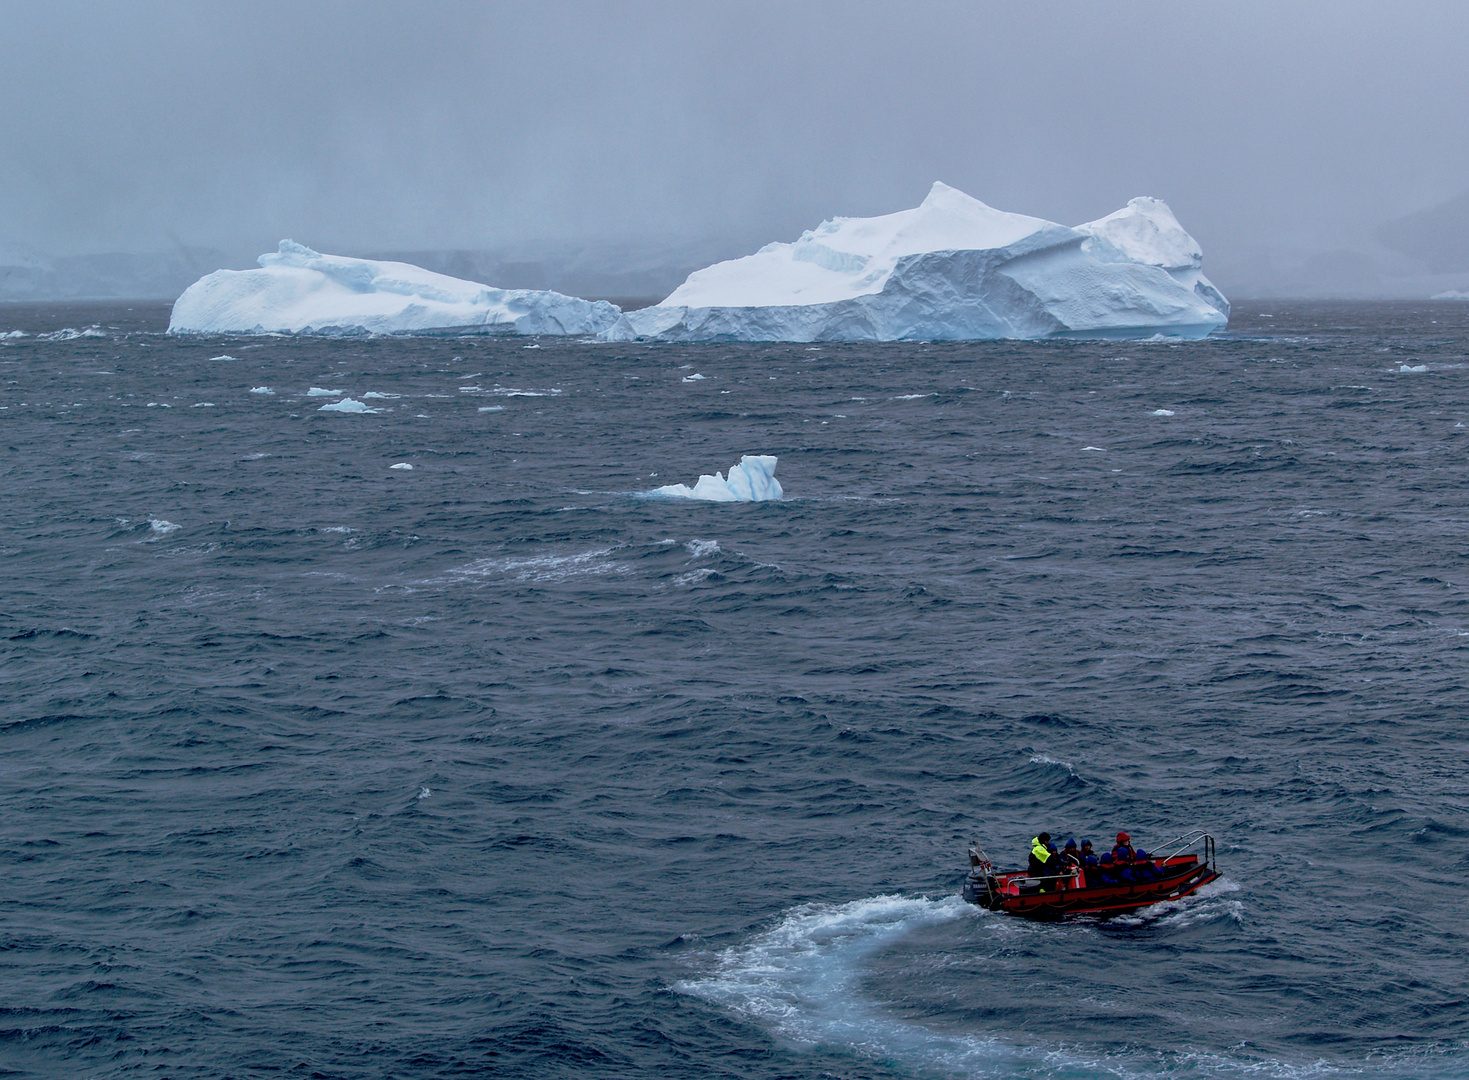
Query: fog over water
[{"x": 1278, "y": 134}]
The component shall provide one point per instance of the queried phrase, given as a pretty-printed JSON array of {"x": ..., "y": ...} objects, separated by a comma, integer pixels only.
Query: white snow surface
[
  {"x": 951, "y": 268},
  {"x": 752, "y": 480},
  {"x": 300, "y": 291}
]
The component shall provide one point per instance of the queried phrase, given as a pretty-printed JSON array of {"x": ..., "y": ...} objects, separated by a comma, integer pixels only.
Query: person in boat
[
  {"x": 1089, "y": 865},
  {"x": 1041, "y": 854},
  {"x": 1071, "y": 854},
  {"x": 1143, "y": 868},
  {"x": 1107, "y": 870},
  {"x": 1123, "y": 851}
]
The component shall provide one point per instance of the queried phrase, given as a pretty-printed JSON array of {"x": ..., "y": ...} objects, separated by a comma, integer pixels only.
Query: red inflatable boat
[{"x": 1085, "y": 891}]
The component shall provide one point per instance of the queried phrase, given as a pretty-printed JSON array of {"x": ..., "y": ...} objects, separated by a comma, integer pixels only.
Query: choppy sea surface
[{"x": 312, "y": 766}]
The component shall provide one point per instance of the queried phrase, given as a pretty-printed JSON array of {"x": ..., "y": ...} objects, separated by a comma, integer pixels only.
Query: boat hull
[{"x": 1052, "y": 898}]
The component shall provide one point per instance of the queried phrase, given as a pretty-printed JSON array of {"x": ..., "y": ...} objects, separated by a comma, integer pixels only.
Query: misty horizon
[{"x": 1285, "y": 141}]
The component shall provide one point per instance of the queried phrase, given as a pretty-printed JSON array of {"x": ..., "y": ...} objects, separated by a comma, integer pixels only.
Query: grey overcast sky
[{"x": 376, "y": 125}]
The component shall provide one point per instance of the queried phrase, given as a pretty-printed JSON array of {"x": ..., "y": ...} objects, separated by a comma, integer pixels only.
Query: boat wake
[{"x": 802, "y": 980}]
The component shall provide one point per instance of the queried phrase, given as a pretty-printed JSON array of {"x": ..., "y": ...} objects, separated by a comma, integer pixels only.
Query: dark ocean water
[{"x": 313, "y": 767}]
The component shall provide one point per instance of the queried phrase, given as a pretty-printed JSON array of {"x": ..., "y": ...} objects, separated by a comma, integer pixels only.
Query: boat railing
[{"x": 1179, "y": 844}]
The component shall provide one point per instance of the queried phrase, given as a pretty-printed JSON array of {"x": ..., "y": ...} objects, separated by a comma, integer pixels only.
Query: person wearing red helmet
[{"x": 1124, "y": 852}]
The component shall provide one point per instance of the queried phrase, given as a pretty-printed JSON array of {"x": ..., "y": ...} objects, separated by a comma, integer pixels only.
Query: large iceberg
[
  {"x": 300, "y": 291},
  {"x": 953, "y": 268}
]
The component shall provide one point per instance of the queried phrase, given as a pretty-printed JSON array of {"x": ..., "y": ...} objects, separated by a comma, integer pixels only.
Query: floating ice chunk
[
  {"x": 1162, "y": 412},
  {"x": 1102, "y": 449},
  {"x": 202, "y": 405},
  {"x": 951, "y": 268},
  {"x": 347, "y": 405},
  {"x": 695, "y": 377},
  {"x": 1412, "y": 367},
  {"x": 317, "y": 391},
  {"x": 491, "y": 408},
  {"x": 403, "y": 465},
  {"x": 261, "y": 390},
  {"x": 752, "y": 480},
  {"x": 217, "y": 359},
  {"x": 373, "y": 394},
  {"x": 13, "y": 335},
  {"x": 300, "y": 291},
  {"x": 424, "y": 793}
]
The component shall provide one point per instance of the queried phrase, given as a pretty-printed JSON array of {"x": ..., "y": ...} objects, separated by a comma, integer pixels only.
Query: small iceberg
[
  {"x": 752, "y": 480},
  {"x": 348, "y": 405},
  {"x": 300, "y": 291}
]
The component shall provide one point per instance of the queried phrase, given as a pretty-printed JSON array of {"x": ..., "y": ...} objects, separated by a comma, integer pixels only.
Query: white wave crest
[
  {"x": 70, "y": 334},
  {"x": 1208, "y": 904},
  {"x": 538, "y": 569}
]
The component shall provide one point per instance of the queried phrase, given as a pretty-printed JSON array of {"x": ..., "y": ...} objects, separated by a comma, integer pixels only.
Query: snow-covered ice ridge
[
  {"x": 300, "y": 291},
  {"x": 952, "y": 268}
]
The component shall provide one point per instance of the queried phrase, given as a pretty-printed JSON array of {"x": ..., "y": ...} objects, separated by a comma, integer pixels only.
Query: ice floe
[
  {"x": 752, "y": 480},
  {"x": 300, "y": 291},
  {"x": 347, "y": 405},
  {"x": 261, "y": 390},
  {"x": 951, "y": 268}
]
